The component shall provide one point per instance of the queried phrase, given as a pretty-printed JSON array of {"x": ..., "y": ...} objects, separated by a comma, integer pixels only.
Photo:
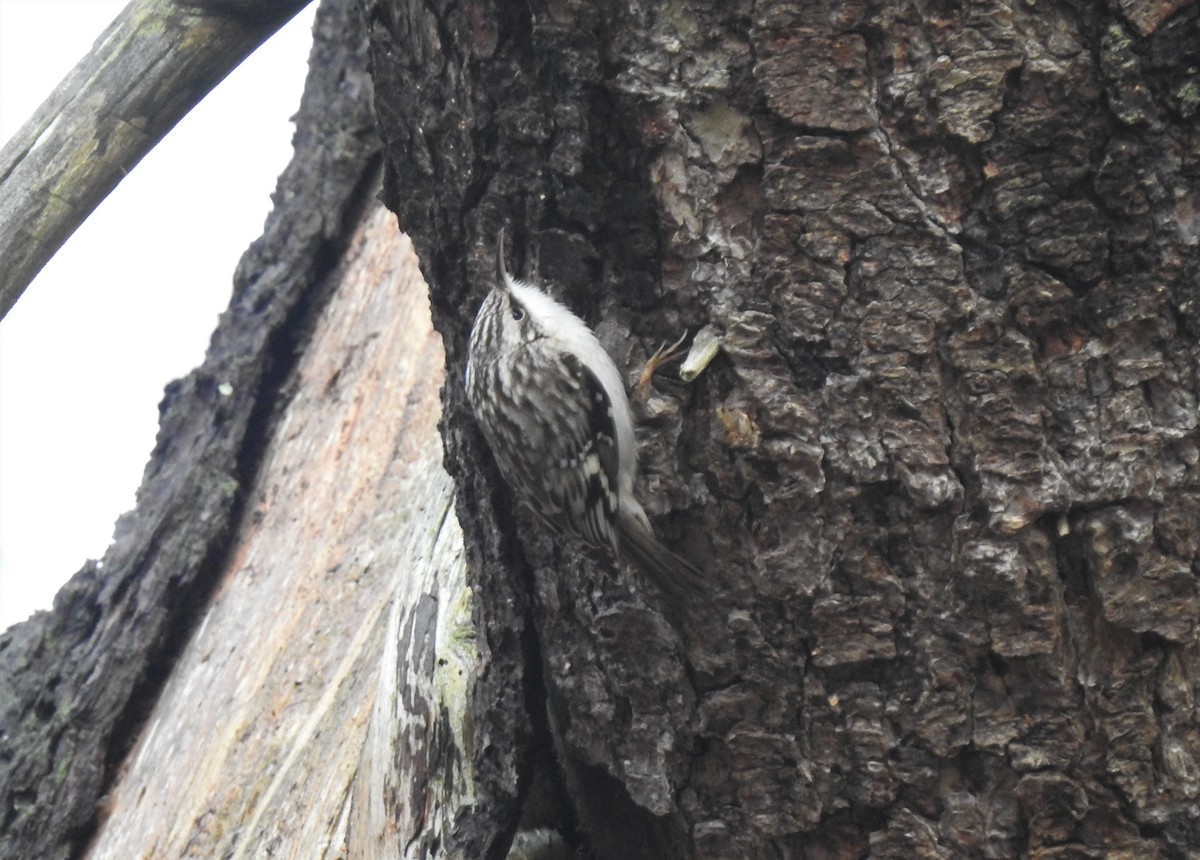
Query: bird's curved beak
[{"x": 502, "y": 278}]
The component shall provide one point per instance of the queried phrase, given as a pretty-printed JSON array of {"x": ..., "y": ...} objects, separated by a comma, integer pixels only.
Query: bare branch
[{"x": 149, "y": 68}]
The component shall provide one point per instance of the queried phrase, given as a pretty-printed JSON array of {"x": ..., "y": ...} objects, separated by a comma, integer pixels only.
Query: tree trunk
[
  {"x": 943, "y": 471},
  {"x": 78, "y": 684}
]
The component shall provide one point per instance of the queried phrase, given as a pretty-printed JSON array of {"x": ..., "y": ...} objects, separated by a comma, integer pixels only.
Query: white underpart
[{"x": 572, "y": 335}]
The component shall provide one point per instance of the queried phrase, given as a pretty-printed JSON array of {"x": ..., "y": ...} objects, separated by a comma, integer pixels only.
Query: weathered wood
[
  {"x": 945, "y": 471},
  {"x": 348, "y": 550},
  {"x": 415, "y": 780},
  {"x": 148, "y": 69},
  {"x": 76, "y": 683}
]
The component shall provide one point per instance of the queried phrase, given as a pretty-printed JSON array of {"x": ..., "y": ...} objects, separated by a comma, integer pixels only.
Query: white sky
[{"x": 130, "y": 301}]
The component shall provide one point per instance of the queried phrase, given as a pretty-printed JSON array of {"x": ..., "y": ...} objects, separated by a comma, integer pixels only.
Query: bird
[{"x": 551, "y": 405}]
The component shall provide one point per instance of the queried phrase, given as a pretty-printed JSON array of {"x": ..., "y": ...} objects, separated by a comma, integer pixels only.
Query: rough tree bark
[
  {"x": 77, "y": 683},
  {"x": 944, "y": 471}
]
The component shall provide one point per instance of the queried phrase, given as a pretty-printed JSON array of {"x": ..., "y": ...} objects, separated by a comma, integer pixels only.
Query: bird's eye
[{"x": 518, "y": 313}]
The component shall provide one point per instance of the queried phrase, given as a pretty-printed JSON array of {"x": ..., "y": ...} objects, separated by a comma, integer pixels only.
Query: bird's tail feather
[{"x": 677, "y": 578}]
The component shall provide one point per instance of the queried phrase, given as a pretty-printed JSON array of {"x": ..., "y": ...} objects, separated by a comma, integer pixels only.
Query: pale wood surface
[{"x": 253, "y": 746}]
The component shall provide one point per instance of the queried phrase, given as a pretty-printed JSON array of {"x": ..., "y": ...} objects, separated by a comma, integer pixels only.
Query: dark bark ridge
[
  {"x": 445, "y": 183},
  {"x": 946, "y": 465},
  {"x": 76, "y": 682}
]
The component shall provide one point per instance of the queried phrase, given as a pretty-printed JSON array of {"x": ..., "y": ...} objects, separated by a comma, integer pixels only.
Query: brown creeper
[{"x": 551, "y": 404}]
